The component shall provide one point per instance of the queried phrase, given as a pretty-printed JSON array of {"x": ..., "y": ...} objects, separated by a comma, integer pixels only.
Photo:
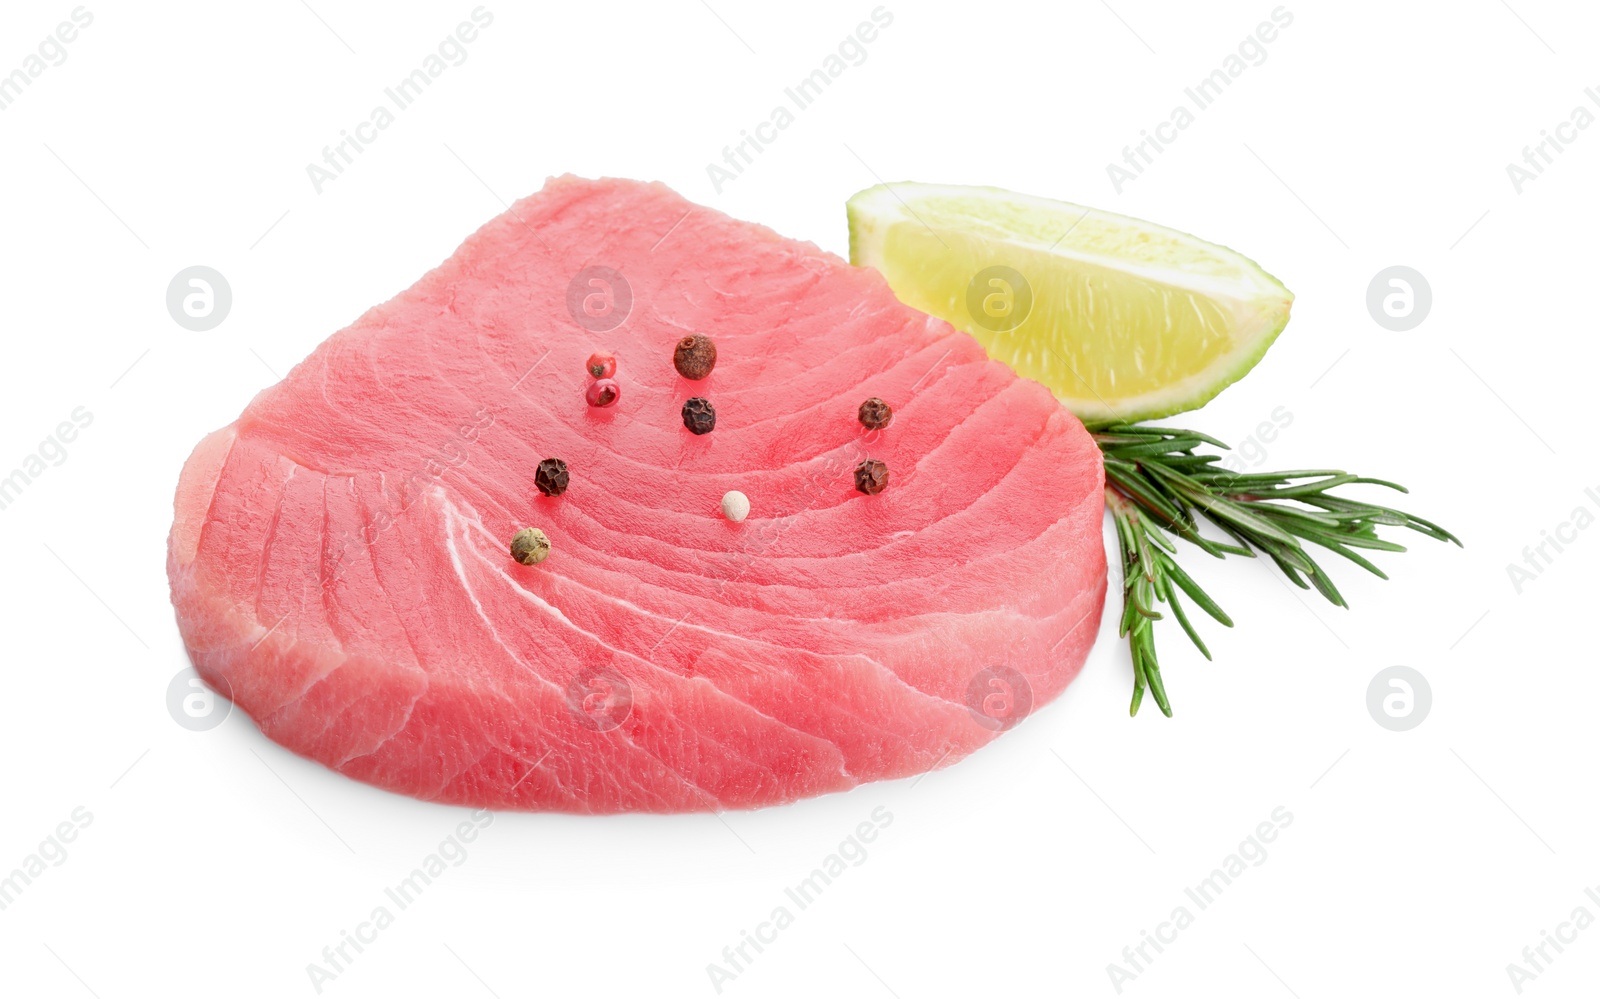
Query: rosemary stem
[{"x": 1158, "y": 488}]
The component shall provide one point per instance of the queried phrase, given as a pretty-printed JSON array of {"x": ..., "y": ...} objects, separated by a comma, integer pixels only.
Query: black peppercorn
[
  {"x": 551, "y": 477},
  {"x": 872, "y": 476},
  {"x": 695, "y": 356},
  {"x": 875, "y": 414},
  {"x": 699, "y": 415}
]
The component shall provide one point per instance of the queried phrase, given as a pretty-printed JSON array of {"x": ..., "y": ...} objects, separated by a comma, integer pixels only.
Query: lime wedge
[{"x": 1122, "y": 319}]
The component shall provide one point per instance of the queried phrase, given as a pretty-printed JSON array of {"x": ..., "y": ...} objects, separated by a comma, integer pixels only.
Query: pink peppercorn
[
  {"x": 603, "y": 393},
  {"x": 602, "y": 364}
]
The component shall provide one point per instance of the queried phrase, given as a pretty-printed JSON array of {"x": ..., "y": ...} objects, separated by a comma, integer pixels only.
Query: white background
[{"x": 1417, "y": 863}]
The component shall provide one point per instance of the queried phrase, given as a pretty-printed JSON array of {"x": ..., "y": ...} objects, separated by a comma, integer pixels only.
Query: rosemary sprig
[{"x": 1158, "y": 488}]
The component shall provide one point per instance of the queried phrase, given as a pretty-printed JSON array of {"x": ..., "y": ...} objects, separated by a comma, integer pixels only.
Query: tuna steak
[{"x": 340, "y": 565}]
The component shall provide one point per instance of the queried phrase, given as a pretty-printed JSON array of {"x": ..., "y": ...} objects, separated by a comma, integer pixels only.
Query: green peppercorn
[
  {"x": 872, "y": 476},
  {"x": 551, "y": 477},
  {"x": 875, "y": 414},
  {"x": 699, "y": 416},
  {"x": 695, "y": 356},
  {"x": 530, "y": 546}
]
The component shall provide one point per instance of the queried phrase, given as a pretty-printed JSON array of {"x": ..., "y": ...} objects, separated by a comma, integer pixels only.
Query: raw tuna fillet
[{"x": 340, "y": 564}]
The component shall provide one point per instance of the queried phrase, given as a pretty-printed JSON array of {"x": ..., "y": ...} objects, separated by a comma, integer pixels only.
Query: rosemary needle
[{"x": 1157, "y": 488}]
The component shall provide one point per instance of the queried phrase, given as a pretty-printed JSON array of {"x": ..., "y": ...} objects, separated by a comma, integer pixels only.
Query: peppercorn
[
  {"x": 551, "y": 478},
  {"x": 735, "y": 505},
  {"x": 603, "y": 393},
  {"x": 872, "y": 476},
  {"x": 875, "y": 414},
  {"x": 530, "y": 546},
  {"x": 695, "y": 357},
  {"x": 602, "y": 364},
  {"x": 699, "y": 415}
]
